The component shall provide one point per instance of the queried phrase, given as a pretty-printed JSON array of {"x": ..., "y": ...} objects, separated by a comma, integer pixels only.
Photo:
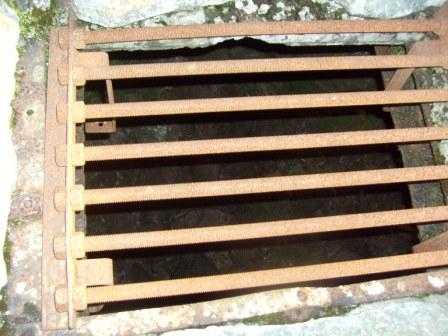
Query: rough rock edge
[
  {"x": 410, "y": 316},
  {"x": 9, "y": 32},
  {"x": 247, "y": 10},
  {"x": 113, "y": 13},
  {"x": 436, "y": 78}
]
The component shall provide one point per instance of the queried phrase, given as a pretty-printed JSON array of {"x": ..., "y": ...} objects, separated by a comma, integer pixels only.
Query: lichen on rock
[
  {"x": 436, "y": 78},
  {"x": 117, "y": 13}
]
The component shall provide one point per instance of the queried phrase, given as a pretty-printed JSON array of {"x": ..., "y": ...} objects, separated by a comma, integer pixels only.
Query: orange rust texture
[
  {"x": 261, "y": 28},
  {"x": 259, "y": 103},
  {"x": 94, "y": 272},
  {"x": 254, "y": 144},
  {"x": 263, "y": 229},
  {"x": 244, "y": 280},
  {"x": 53, "y": 270},
  {"x": 439, "y": 242},
  {"x": 436, "y": 59},
  {"x": 263, "y": 185}
]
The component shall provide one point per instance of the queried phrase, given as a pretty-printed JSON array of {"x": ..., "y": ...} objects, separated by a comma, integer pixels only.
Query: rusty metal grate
[{"x": 71, "y": 282}]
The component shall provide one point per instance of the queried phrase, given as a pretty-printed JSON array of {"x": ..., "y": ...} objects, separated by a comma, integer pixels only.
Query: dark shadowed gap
[{"x": 187, "y": 261}]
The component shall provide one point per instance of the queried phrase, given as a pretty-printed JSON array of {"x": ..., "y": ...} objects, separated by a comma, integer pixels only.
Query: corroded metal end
[
  {"x": 79, "y": 298},
  {"x": 77, "y": 242},
  {"x": 77, "y": 197},
  {"x": 77, "y": 38},
  {"x": 59, "y": 199}
]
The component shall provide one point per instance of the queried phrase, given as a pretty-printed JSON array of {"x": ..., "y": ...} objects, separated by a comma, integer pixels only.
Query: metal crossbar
[
  {"x": 259, "y": 103},
  {"x": 257, "y": 66},
  {"x": 65, "y": 291},
  {"x": 79, "y": 197},
  {"x": 280, "y": 228},
  {"x": 257, "y": 144}
]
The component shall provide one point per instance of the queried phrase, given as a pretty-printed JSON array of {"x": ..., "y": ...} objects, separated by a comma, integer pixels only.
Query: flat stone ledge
[{"x": 239, "y": 308}]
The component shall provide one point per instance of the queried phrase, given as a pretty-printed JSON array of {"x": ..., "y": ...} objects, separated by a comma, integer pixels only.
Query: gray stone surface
[
  {"x": 9, "y": 34},
  {"x": 437, "y": 78},
  {"x": 30, "y": 4},
  {"x": 444, "y": 150},
  {"x": 117, "y": 13},
  {"x": 25, "y": 218},
  {"x": 414, "y": 316},
  {"x": 385, "y": 9}
]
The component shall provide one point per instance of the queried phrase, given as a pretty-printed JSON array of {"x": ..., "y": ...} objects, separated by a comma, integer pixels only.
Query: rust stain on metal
[
  {"x": 53, "y": 270},
  {"x": 71, "y": 284},
  {"x": 439, "y": 242},
  {"x": 262, "y": 229},
  {"x": 103, "y": 126},
  {"x": 290, "y": 275},
  {"x": 255, "y": 144},
  {"x": 70, "y": 178},
  {"x": 260, "y": 103},
  {"x": 255, "y": 185},
  {"x": 435, "y": 59},
  {"x": 261, "y": 28}
]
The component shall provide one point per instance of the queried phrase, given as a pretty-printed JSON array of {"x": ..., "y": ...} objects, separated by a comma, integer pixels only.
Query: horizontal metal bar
[
  {"x": 267, "y": 143},
  {"x": 255, "y": 279},
  {"x": 260, "y": 185},
  {"x": 258, "y": 66},
  {"x": 260, "y": 28},
  {"x": 238, "y": 104},
  {"x": 258, "y": 230}
]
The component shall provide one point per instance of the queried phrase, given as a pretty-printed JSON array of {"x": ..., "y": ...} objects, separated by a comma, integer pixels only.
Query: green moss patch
[{"x": 35, "y": 23}]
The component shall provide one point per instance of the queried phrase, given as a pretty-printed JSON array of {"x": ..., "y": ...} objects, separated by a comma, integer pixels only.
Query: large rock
[
  {"x": 9, "y": 35},
  {"x": 118, "y": 13}
]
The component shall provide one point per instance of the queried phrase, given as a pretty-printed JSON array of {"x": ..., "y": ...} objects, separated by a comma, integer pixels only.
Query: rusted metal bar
[
  {"x": 110, "y": 92},
  {"x": 258, "y": 304},
  {"x": 81, "y": 197},
  {"x": 238, "y": 104},
  {"x": 53, "y": 269},
  {"x": 95, "y": 272},
  {"x": 261, "y": 28},
  {"x": 254, "y": 144},
  {"x": 439, "y": 242},
  {"x": 256, "y": 279},
  {"x": 102, "y": 60},
  {"x": 70, "y": 180},
  {"x": 279, "y": 228},
  {"x": 260, "y": 66}
]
